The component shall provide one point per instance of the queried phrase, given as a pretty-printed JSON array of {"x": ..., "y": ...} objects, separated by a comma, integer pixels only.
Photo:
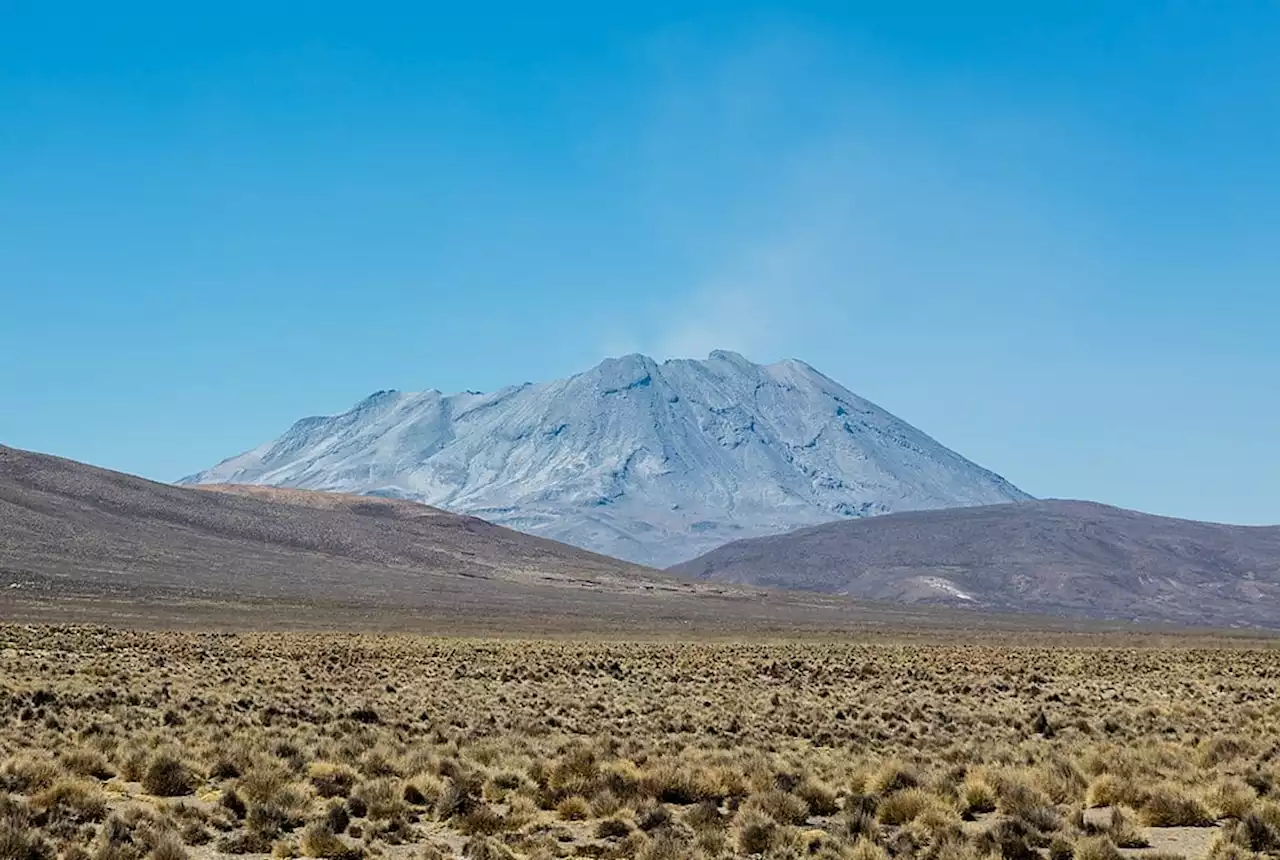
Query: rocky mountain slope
[
  {"x": 647, "y": 461},
  {"x": 1062, "y": 557}
]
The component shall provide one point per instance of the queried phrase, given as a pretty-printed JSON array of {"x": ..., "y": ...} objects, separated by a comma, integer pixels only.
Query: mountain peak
[
  {"x": 730, "y": 357},
  {"x": 648, "y": 461}
]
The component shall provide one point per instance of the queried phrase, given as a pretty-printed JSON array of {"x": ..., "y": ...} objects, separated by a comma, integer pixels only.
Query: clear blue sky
[{"x": 1046, "y": 233}]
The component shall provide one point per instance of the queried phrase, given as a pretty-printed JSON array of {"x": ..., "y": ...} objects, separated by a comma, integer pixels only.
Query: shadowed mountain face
[{"x": 1061, "y": 557}]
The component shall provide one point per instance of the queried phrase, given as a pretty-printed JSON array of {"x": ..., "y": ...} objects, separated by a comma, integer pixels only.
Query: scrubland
[{"x": 118, "y": 745}]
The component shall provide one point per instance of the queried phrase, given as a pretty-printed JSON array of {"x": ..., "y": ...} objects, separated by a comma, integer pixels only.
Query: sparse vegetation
[{"x": 164, "y": 746}]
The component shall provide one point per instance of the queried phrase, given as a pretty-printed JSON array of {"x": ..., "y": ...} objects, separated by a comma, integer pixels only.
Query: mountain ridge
[
  {"x": 653, "y": 462},
  {"x": 1059, "y": 556}
]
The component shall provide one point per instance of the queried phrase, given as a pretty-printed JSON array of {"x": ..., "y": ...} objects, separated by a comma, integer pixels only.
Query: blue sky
[{"x": 1046, "y": 233}]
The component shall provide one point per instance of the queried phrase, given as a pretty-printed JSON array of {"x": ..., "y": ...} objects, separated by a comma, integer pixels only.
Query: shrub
[
  {"x": 1016, "y": 796},
  {"x": 664, "y": 848},
  {"x": 167, "y": 776},
  {"x": 1123, "y": 833},
  {"x": 115, "y": 840},
  {"x": 19, "y": 842},
  {"x": 704, "y": 815},
  {"x": 573, "y": 809},
  {"x": 977, "y": 797},
  {"x": 224, "y": 768},
  {"x": 672, "y": 782},
  {"x": 613, "y": 828},
  {"x": 378, "y": 762},
  {"x": 520, "y": 811},
  {"x": 27, "y": 773},
  {"x": 1105, "y": 790},
  {"x": 858, "y": 820},
  {"x": 486, "y": 848},
  {"x": 481, "y": 819},
  {"x": 357, "y": 807},
  {"x": 72, "y": 800},
  {"x": 432, "y": 851},
  {"x": 757, "y": 833},
  {"x": 168, "y": 847},
  {"x": 903, "y": 806},
  {"x": 1219, "y": 750},
  {"x": 1061, "y": 849},
  {"x": 133, "y": 762},
  {"x": 423, "y": 790},
  {"x": 893, "y": 776},
  {"x": 1061, "y": 781},
  {"x": 87, "y": 762},
  {"x": 331, "y": 780},
  {"x": 1012, "y": 839},
  {"x": 865, "y": 849},
  {"x": 712, "y": 842},
  {"x": 1259, "y": 835},
  {"x": 269, "y": 820},
  {"x": 337, "y": 818},
  {"x": 263, "y": 782},
  {"x": 819, "y": 797},
  {"x": 1169, "y": 806},
  {"x": 1096, "y": 848},
  {"x": 782, "y": 807},
  {"x": 655, "y": 818},
  {"x": 501, "y": 784},
  {"x": 232, "y": 802},
  {"x": 456, "y": 799},
  {"x": 605, "y": 803},
  {"x": 319, "y": 840},
  {"x": 245, "y": 842},
  {"x": 623, "y": 778},
  {"x": 383, "y": 798},
  {"x": 1232, "y": 798}
]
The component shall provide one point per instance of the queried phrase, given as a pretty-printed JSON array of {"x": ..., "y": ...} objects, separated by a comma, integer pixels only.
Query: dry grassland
[{"x": 126, "y": 745}]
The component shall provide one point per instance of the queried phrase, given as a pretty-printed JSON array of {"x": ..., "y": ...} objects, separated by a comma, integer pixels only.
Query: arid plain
[{"x": 121, "y": 744}]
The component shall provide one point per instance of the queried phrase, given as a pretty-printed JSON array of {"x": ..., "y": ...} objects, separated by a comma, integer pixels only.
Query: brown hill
[
  {"x": 82, "y": 543},
  {"x": 68, "y": 521},
  {"x": 1061, "y": 557}
]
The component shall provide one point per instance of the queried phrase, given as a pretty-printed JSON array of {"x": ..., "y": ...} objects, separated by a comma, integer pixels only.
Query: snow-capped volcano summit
[{"x": 654, "y": 462}]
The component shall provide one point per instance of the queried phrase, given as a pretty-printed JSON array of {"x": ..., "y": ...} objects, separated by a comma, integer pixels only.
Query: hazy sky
[{"x": 1048, "y": 234}]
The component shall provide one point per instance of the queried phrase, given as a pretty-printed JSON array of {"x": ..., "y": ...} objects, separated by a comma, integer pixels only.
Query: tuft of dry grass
[
  {"x": 977, "y": 797},
  {"x": 168, "y": 846},
  {"x": 319, "y": 840},
  {"x": 1173, "y": 806},
  {"x": 904, "y": 806},
  {"x": 332, "y": 780},
  {"x": 1096, "y": 848}
]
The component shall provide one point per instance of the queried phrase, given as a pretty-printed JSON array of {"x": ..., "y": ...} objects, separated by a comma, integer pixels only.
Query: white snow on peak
[{"x": 656, "y": 462}]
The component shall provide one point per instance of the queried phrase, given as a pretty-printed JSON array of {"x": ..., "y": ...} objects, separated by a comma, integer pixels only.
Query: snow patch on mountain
[
  {"x": 946, "y": 586},
  {"x": 647, "y": 461}
]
